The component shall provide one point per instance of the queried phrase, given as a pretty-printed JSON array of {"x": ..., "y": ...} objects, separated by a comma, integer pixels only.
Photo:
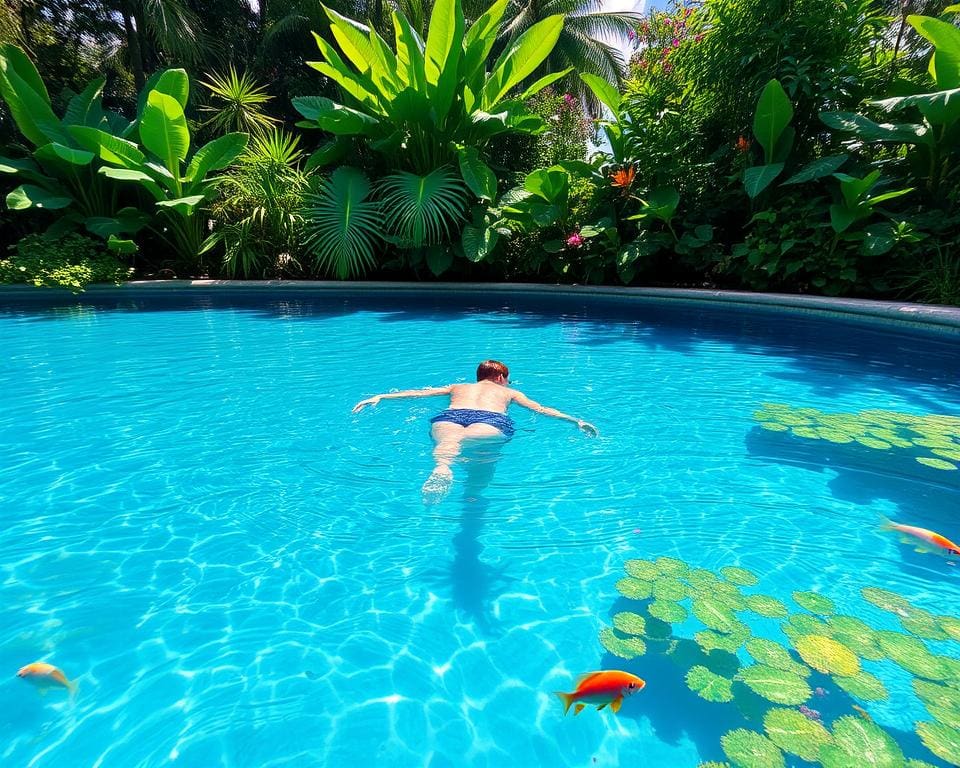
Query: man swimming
[{"x": 476, "y": 411}]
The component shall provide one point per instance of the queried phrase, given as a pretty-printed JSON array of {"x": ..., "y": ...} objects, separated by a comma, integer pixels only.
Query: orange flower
[
  {"x": 742, "y": 145},
  {"x": 623, "y": 178}
]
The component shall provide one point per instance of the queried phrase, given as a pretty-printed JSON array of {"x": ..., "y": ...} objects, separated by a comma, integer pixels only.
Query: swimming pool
[{"x": 237, "y": 571}]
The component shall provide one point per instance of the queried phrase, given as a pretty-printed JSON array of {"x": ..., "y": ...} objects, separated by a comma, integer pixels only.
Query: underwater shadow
[
  {"x": 924, "y": 496},
  {"x": 473, "y": 583}
]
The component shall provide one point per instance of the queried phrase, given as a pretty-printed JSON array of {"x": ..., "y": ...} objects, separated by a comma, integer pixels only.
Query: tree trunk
[
  {"x": 133, "y": 45},
  {"x": 262, "y": 19}
]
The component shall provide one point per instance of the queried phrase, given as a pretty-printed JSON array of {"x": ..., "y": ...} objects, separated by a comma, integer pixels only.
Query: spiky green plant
[{"x": 237, "y": 103}]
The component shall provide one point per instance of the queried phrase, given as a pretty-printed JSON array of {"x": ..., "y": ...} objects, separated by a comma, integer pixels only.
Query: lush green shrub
[{"x": 72, "y": 261}]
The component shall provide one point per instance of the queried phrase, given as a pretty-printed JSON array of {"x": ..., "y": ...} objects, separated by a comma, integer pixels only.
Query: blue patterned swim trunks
[{"x": 467, "y": 416}]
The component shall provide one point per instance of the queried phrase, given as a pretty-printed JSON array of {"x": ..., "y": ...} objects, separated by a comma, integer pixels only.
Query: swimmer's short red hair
[{"x": 490, "y": 369}]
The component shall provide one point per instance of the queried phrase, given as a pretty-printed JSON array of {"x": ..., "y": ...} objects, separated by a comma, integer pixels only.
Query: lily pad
[
  {"x": 934, "y": 695},
  {"x": 912, "y": 655},
  {"x": 775, "y": 685},
  {"x": 805, "y": 624},
  {"x": 923, "y": 624},
  {"x": 827, "y": 655},
  {"x": 717, "y": 641},
  {"x": 701, "y": 578},
  {"x": 936, "y": 463},
  {"x": 666, "y": 588},
  {"x": 739, "y": 576},
  {"x": 856, "y": 635},
  {"x": 635, "y": 589},
  {"x": 873, "y": 442},
  {"x": 715, "y": 614},
  {"x": 796, "y": 734},
  {"x": 945, "y": 715},
  {"x": 765, "y": 605},
  {"x": 884, "y": 599},
  {"x": 670, "y": 566},
  {"x": 751, "y": 750},
  {"x": 774, "y": 426},
  {"x": 863, "y": 686},
  {"x": 950, "y": 625},
  {"x": 708, "y": 685},
  {"x": 630, "y": 623},
  {"x": 940, "y": 739},
  {"x": 775, "y": 655},
  {"x": 814, "y": 603},
  {"x": 624, "y": 647},
  {"x": 641, "y": 569},
  {"x": 667, "y": 610},
  {"x": 863, "y": 741},
  {"x": 808, "y": 432}
]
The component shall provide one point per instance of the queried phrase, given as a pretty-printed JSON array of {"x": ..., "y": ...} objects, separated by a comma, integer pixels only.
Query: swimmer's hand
[
  {"x": 364, "y": 403},
  {"x": 587, "y": 428}
]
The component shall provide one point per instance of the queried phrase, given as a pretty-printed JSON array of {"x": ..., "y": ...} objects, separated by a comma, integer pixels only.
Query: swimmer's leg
[{"x": 448, "y": 443}]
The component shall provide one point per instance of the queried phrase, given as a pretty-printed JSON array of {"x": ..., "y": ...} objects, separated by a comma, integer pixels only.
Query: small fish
[
  {"x": 45, "y": 675},
  {"x": 810, "y": 714},
  {"x": 862, "y": 712},
  {"x": 820, "y": 692},
  {"x": 928, "y": 537},
  {"x": 609, "y": 686}
]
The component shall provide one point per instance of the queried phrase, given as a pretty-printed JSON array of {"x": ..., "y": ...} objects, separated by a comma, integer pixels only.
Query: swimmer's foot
[{"x": 437, "y": 485}]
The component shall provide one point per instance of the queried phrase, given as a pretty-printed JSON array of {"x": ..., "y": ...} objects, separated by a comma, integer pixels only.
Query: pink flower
[
  {"x": 631, "y": 35},
  {"x": 675, "y": 43},
  {"x": 687, "y": 12},
  {"x": 668, "y": 67},
  {"x": 698, "y": 38},
  {"x": 575, "y": 241}
]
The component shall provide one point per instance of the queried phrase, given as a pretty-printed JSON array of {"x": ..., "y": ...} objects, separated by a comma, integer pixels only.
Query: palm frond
[
  {"x": 175, "y": 28},
  {"x": 424, "y": 210},
  {"x": 342, "y": 225}
]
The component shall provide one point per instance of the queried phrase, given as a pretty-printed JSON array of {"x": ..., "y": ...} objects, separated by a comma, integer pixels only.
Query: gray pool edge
[{"x": 930, "y": 317}]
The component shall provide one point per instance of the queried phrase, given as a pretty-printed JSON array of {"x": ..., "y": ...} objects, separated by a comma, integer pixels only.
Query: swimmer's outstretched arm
[
  {"x": 585, "y": 426},
  {"x": 427, "y": 392}
]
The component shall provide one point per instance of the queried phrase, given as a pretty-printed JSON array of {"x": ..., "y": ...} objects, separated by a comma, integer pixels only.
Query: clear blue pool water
[{"x": 238, "y": 571}]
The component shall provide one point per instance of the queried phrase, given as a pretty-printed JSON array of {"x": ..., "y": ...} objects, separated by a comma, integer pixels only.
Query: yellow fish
[{"x": 45, "y": 675}]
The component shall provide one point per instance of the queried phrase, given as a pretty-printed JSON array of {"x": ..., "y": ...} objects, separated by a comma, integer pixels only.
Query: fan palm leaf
[
  {"x": 342, "y": 225},
  {"x": 424, "y": 210}
]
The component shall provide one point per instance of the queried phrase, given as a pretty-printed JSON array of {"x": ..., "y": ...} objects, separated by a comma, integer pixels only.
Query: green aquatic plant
[
  {"x": 635, "y": 589},
  {"x": 827, "y": 655},
  {"x": 884, "y": 599},
  {"x": 767, "y": 606},
  {"x": 668, "y": 592},
  {"x": 856, "y": 635},
  {"x": 625, "y": 647},
  {"x": 642, "y": 569},
  {"x": 936, "y": 437},
  {"x": 790, "y": 730},
  {"x": 775, "y": 685},
  {"x": 941, "y": 739},
  {"x": 775, "y": 655},
  {"x": 751, "y": 750},
  {"x": 668, "y": 611},
  {"x": 630, "y": 623},
  {"x": 814, "y": 603},
  {"x": 739, "y": 576},
  {"x": 863, "y": 686},
  {"x": 708, "y": 685},
  {"x": 911, "y": 654},
  {"x": 862, "y": 743}
]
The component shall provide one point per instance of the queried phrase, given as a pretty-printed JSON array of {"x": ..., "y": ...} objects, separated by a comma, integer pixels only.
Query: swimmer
[{"x": 476, "y": 411}]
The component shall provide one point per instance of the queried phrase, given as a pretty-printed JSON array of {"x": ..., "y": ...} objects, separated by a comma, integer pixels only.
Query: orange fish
[
  {"x": 45, "y": 675},
  {"x": 924, "y": 535},
  {"x": 601, "y": 688}
]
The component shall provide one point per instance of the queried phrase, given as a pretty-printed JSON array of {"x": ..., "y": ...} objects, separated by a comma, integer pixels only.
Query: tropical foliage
[{"x": 801, "y": 145}]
